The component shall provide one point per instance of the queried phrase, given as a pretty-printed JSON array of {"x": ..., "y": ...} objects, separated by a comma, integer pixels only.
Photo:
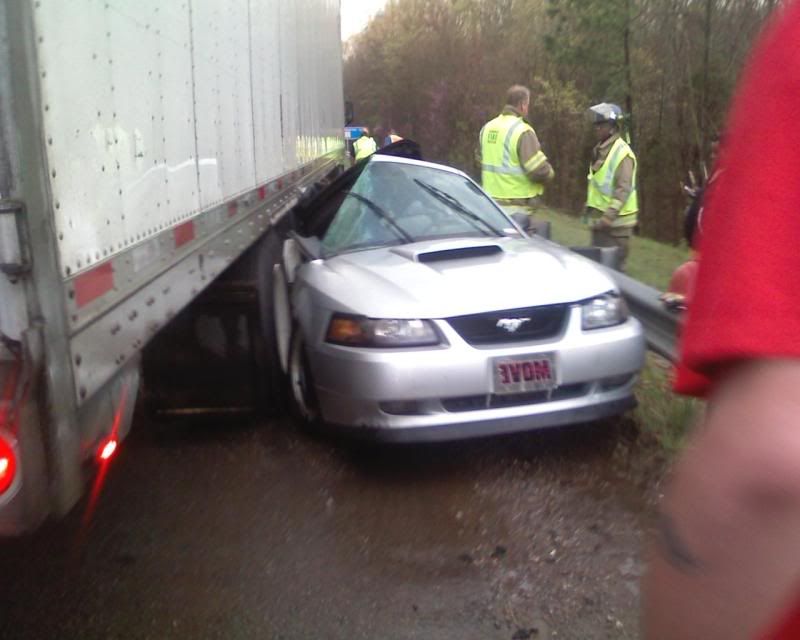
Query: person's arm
[
  {"x": 728, "y": 550},
  {"x": 623, "y": 184},
  {"x": 532, "y": 158}
]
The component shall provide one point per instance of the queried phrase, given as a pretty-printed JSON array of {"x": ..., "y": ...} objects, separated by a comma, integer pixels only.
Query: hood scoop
[{"x": 462, "y": 252}]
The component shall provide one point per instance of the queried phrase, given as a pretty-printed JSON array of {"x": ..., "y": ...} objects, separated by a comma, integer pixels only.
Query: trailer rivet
[
  {"x": 83, "y": 392},
  {"x": 78, "y": 360}
]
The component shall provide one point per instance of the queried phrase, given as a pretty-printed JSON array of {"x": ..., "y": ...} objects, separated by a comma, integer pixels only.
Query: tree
[{"x": 436, "y": 70}]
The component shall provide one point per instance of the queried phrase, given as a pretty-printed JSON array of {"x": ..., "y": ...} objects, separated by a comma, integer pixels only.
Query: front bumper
[
  {"x": 445, "y": 392},
  {"x": 492, "y": 426}
]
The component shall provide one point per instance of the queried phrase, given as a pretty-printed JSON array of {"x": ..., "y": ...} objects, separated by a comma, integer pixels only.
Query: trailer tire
[{"x": 273, "y": 379}]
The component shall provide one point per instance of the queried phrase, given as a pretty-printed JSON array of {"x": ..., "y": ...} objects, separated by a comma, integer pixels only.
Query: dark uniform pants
[{"x": 619, "y": 237}]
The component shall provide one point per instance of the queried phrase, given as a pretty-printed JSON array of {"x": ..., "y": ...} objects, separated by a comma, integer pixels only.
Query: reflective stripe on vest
[
  {"x": 502, "y": 175},
  {"x": 364, "y": 147},
  {"x": 600, "y": 194}
]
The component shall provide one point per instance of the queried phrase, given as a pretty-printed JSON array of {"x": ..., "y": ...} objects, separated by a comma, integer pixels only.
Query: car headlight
[
  {"x": 603, "y": 311},
  {"x": 358, "y": 331}
]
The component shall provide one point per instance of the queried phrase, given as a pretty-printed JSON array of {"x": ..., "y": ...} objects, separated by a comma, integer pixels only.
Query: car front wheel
[{"x": 301, "y": 383}]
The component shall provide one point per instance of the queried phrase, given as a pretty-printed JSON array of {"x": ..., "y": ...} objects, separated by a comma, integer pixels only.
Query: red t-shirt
[{"x": 746, "y": 302}]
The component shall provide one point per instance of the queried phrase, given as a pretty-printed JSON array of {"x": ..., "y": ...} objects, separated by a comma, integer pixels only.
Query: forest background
[{"x": 437, "y": 70}]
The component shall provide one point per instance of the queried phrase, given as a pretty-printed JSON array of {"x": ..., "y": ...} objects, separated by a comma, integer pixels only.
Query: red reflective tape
[
  {"x": 233, "y": 207},
  {"x": 94, "y": 283},
  {"x": 184, "y": 233},
  {"x": 262, "y": 192}
]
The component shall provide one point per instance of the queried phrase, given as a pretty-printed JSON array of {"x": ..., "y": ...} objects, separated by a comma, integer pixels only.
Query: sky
[{"x": 356, "y": 14}]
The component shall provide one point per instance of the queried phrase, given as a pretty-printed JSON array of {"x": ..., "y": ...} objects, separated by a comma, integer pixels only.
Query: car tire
[
  {"x": 273, "y": 379},
  {"x": 302, "y": 392}
]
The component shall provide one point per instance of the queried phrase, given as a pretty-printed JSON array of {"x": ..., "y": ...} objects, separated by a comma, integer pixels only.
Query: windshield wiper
[
  {"x": 382, "y": 215},
  {"x": 454, "y": 204}
]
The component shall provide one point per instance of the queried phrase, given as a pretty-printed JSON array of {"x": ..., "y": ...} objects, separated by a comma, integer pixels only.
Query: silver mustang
[{"x": 409, "y": 306}]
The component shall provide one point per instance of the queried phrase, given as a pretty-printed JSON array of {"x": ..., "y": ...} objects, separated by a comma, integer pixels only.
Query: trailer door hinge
[{"x": 14, "y": 255}]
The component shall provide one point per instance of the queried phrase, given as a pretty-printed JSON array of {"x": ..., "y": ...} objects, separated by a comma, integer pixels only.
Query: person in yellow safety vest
[
  {"x": 612, "y": 202},
  {"x": 514, "y": 168},
  {"x": 364, "y": 146}
]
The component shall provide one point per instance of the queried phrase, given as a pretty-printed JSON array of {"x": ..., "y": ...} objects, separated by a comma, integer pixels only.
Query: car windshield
[{"x": 399, "y": 203}]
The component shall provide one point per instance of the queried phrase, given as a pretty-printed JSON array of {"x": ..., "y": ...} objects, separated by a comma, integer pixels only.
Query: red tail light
[
  {"x": 8, "y": 465},
  {"x": 107, "y": 449}
]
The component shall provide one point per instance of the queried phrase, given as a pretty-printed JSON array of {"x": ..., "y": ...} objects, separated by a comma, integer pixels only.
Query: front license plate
[{"x": 524, "y": 373}]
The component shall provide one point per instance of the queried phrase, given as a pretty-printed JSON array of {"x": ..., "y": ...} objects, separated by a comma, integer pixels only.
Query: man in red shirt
[{"x": 727, "y": 561}]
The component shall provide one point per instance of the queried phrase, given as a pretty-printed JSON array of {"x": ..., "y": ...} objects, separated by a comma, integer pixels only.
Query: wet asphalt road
[{"x": 254, "y": 530}]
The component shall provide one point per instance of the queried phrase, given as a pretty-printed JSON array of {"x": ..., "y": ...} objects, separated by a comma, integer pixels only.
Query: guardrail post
[
  {"x": 607, "y": 256},
  {"x": 531, "y": 226}
]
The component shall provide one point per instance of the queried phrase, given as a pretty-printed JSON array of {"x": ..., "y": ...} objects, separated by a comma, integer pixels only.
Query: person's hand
[{"x": 674, "y": 301}]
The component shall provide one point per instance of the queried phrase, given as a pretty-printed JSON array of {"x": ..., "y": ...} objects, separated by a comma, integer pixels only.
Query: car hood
[{"x": 443, "y": 278}]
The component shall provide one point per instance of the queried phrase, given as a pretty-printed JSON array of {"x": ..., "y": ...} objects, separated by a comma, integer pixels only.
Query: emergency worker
[
  {"x": 514, "y": 169},
  {"x": 612, "y": 202},
  {"x": 364, "y": 146}
]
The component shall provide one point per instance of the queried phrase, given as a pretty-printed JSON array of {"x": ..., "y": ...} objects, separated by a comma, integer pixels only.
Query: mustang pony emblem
[{"x": 511, "y": 324}]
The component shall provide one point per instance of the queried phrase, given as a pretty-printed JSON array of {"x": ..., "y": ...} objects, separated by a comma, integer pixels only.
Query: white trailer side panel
[
  {"x": 154, "y": 128},
  {"x": 119, "y": 119},
  {"x": 266, "y": 72},
  {"x": 163, "y": 124},
  {"x": 177, "y": 165},
  {"x": 78, "y": 113},
  {"x": 288, "y": 42},
  {"x": 222, "y": 89}
]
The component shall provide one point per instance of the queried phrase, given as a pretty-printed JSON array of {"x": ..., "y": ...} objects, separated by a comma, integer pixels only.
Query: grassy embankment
[{"x": 660, "y": 413}]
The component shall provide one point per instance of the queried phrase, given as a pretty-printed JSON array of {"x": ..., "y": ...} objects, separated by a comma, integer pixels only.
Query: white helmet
[{"x": 606, "y": 112}]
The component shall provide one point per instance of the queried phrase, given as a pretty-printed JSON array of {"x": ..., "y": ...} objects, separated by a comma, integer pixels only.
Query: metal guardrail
[{"x": 660, "y": 324}]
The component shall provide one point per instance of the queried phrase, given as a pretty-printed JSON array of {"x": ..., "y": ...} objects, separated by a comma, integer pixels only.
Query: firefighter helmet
[{"x": 606, "y": 112}]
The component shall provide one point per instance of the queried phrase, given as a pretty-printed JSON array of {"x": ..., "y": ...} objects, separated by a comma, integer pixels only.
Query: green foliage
[
  {"x": 585, "y": 40},
  {"x": 662, "y": 414},
  {"x": 649, "y": 261},
  {"x": 437, "y": 70}
]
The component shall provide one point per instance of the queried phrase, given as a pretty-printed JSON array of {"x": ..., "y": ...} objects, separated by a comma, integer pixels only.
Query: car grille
[
  {"x": 513, "y": 325},
  {"x": 493, "y": 401}
]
